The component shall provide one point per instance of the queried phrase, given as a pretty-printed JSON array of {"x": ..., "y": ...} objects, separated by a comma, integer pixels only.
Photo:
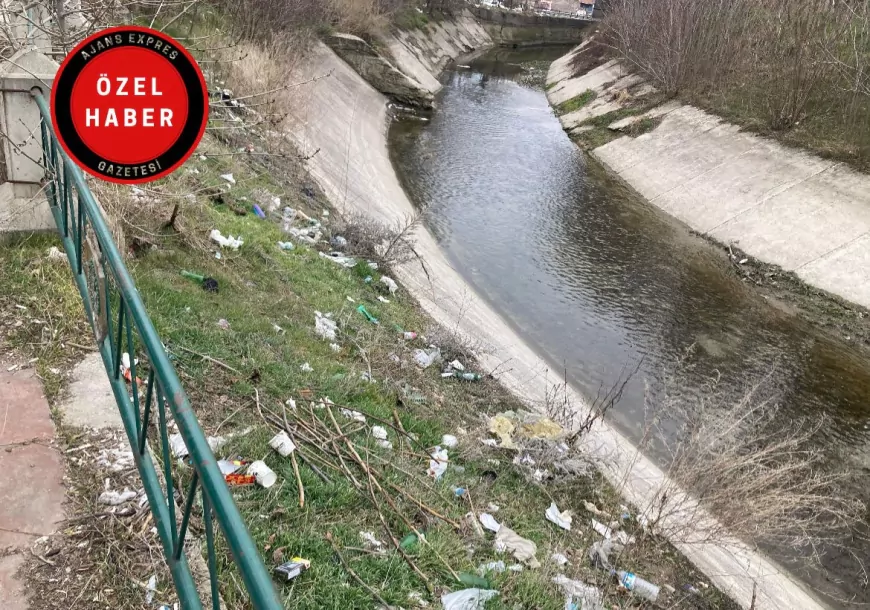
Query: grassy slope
[{"x": 262, "y": 286}]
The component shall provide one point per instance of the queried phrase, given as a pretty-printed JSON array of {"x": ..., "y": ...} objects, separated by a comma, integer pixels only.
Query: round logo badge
[{"x": 129, "y": 104}]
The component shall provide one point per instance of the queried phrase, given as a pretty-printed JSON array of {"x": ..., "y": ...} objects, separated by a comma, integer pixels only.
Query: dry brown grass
[
  {"x": 794, "y": 68},
  {"x": 759, "y": 472}
]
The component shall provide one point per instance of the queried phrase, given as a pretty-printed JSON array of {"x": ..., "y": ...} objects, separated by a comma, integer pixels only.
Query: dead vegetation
[{"x": 795, "y": 69}]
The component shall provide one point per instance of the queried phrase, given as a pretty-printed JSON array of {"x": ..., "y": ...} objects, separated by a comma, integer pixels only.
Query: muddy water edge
[{"x": 600, "y": 282}]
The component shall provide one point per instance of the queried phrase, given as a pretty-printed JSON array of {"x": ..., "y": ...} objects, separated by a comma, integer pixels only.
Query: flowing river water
[{"x": 599, "y": 282}]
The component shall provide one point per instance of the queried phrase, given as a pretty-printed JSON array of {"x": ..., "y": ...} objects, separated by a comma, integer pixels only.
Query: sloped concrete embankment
[
  {"x": 806, "y": 214},
  {"x": 345, "y": 119}
]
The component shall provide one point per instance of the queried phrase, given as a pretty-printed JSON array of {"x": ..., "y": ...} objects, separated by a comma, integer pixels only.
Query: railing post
[{"x": 23, "y": 204}]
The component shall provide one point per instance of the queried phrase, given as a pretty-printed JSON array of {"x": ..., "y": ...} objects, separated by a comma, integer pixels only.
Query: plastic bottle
[
  {"x": 467, "y": 376},
  {"x": 638, "y": 586},
  {"x": 409, "y": 335}
]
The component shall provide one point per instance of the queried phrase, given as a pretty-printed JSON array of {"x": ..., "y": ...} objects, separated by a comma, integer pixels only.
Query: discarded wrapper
[
  {"x": 240, "y": 480},
  {"x": 562, "y": 519},
  {"x": 228, "y": 467},
  {"x": 293, "y": 568}
]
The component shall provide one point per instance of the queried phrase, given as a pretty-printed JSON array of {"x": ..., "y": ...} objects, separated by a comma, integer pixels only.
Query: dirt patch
[
  {"x": 103, "y": 556},
  {"x": 591, "y": 56}
]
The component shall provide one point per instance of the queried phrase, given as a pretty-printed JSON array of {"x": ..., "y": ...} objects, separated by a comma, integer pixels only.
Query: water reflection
[{"x": 598, "y": 280}]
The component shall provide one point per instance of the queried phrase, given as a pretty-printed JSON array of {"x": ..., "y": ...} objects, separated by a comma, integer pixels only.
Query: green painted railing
[{"x": 121, "y": 324}]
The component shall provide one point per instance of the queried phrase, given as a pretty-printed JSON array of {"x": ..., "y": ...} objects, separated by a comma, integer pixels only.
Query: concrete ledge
[{"x": 780, "y": 205}]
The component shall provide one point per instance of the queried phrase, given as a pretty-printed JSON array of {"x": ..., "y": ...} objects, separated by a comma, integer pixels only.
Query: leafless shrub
[
  {"x": 770, "y": 59},
  {"x": 743, "y": 468},
  {"x": 579, "y": 419},
  {"x": 376, "y": 241}
]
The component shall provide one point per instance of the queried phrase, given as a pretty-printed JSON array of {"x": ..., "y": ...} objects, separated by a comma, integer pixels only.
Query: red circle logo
[{"x": 129, "y": 105}]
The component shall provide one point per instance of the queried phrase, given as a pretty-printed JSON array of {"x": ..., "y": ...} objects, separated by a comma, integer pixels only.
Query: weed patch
[{"x": 576, "y": 103}]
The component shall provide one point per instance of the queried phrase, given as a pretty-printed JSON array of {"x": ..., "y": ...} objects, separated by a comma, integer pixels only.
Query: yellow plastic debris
[
  {"x": 503, "y": 427},
  {"x": 543, "y": 428}
]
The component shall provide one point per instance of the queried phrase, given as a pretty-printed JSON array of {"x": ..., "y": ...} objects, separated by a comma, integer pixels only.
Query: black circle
[{"x": 195, "y": 101}]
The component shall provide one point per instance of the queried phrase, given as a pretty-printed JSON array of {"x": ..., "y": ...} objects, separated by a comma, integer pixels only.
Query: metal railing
[{"x": 120, "y": 323}]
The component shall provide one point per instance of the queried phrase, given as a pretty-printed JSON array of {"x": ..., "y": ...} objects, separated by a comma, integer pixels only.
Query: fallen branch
[{"x": 210, "y": 359}]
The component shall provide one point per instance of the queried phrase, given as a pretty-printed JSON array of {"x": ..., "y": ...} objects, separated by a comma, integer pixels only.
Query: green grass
[
  {"x": 40, "y": 309},
  {"x": 576, "y": 102},
  {"x": 600, "y": 134},
  {"x": 261, "y": 287},
  {"x": 409, "y": 18}
]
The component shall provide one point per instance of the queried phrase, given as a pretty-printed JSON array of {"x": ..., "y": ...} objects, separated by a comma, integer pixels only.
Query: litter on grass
[
  {"x": 493, "y": 566},
  {"x": 559, "y": 559},
  {"x": 448, "y": 440},
  {"x": 179, "y": 449},
  {"x": 293, "y": 568},
  {"x": 335, "y": 347},
  {"x": 234, "y": 243},
  {"x": 602, "y": 529},
  {"x": 508, "y": 425},
  {"x": 264, "y": 475},
  {"x": 522, "y": 548},
  {"x": 354, "y": 415},
  {"x": 380, "y": 435},
  {"x": 593, "y": 509},
  {"x": 115, "y": 498},
  {"x": 151, "y": 589},
  {"x": 228, "y": 467},
  {"x": 305, "y": 367},
  {"x": 599, "y": 553},
  {"x": 116, "y": 460},
  {"x": 383, "y": 299},
  {"x": 438, "y": 463},
  {"x": 589, "y": 597},
  {"x": 229, "y": 178},
  {"x": 282, "y": 444},
  {"x": 503, "y": 427},
  {"x": 324, "y": 326},
  {"x": 489, "y": 522},
  {"x": 467, "y": 599},
  {"x": 562, "y": 519},
  {"x": 369, "y": 538},
  {"x": 339, "y": 258},
  {"x": 365, "y": 312},
  {"x": 425, "y": 359},
  {"x": 286, "y": 245},
  {"x": 390, "y": 283}
]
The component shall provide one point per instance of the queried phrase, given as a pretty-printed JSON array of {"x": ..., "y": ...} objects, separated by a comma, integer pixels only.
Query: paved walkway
[{"x": 31, "y": 477}]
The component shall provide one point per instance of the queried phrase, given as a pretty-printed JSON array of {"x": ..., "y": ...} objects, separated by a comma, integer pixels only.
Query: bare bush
[
  {"x": 777, "y": 63},
  {"x": 756, "y": 470},
  {"x": 389, "y": 245}
]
